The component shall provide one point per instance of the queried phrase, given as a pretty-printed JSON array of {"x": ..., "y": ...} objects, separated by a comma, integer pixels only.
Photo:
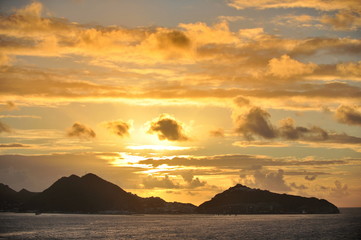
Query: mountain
[
  {"x": 92, "y": 194},
  {"x": 12, "y": 200},
  {"x": 244, "y": 200}
]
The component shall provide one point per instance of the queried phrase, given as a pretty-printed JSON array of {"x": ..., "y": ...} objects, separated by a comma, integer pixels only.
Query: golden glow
[
  {"x": 158, "y": 147},
  {"x": 184, "y": 105}
]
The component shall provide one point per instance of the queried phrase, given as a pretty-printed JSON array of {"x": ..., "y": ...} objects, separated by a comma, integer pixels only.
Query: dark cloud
[
  {"x": 255, "y": 122},
  {"x": 298, "y": 187},
  {"x": 273, "y": 181},
  {"x": 120, "y": 128},
  {"x": 217, "y": 133},
  {"x": 4, "y": 128},
  {"x": 81, "y": 131},
  {"x": 340, "y": 190},
  {"x": 192, "y": 182},
  {"x": 8, "y": 106},
  {"x": 241, "y": 101},
  {"x": 167, "y": 128},
  {"x": 310, "y": 177},
  {"x": 236, "y": 161},
  {"x": 288, "y": 131},
  {"x": 348, "y": 115},
  {"x": 173, "y": 38},
  {"x": 14, "y": 145},
  {"x": 151, "y": 182},
  {"x": 195, "y": 183}
]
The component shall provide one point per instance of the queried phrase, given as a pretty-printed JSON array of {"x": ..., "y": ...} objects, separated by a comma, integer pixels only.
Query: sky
[{"x": 183, "y": 99}]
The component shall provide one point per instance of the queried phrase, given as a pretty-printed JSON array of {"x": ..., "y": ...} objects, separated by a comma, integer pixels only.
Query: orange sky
[{"x": 183, "y": 99}]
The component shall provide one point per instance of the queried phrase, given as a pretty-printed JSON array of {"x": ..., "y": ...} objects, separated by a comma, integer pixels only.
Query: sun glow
[
  {"x": 158, "y": 147},
  {"x": 126, "y": 159}
]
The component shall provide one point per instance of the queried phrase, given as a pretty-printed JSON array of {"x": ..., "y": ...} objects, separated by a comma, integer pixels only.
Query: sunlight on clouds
[
  {"x": 158, "y": 147},
  {"x": 285, "y": 67},
  {"x": 260, "y": 144},
  {"x": 126, "y": 159},
  {"x": 186, "y": 109}
]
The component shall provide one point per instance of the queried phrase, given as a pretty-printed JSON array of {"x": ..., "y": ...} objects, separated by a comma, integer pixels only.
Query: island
[
  {"x": 92, "y": 194},
  {"x": 241, "y": 199}
]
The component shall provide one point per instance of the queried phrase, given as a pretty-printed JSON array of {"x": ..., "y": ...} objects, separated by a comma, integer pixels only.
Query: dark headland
[{"x": 92, "y": 194}]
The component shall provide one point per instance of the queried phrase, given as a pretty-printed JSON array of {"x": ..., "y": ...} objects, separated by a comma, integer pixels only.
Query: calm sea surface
[{"x": 346, "y": 225}]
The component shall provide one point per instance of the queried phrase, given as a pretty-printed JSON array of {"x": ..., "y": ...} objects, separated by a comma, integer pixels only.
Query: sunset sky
[{"x": 183, "y": 99}]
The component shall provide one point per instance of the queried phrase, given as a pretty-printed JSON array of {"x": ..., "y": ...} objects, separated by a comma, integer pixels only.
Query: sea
[{"x": 346, "y": 225}]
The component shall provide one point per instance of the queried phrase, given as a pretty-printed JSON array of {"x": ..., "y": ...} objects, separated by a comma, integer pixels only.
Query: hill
[
  {"x": 92, "y": 194},
  {"x": 244, "y": 200}
]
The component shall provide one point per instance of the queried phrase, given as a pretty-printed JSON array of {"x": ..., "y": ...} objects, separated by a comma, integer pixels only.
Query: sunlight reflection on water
[{"x": 72, "y": 226}]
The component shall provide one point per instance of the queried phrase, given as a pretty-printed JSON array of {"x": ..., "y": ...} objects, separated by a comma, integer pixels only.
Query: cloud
[
  {"x": 4, "y": 60},
  {"x": 80, "y": 131},
  {"x": 236, "y": 161},
  {"x": 8, "y": 106},
  {"x": 273, "y": 181},
  {"x": 324, "y": 5},
  {"x": 176, "y": 39},
  {"x": 192, "y": 182},
  {"x": 350, "y": 68},
  {"x": 298, "y": 20},
  {"x": 241, "y": 101},
  {"x": 311, "y": 177},
  {"x": 195, "y": 183},
  {"x": 231, "y": 18},
  {"x": 340, "y": 190},
  {"x": 343, "y": 20},
  {"x": 119, "y": 127},
  {"x": 20, "y": 116},
  {"x": 167, "y": 128},
  {"x": 288, "y": 131},
  {"x": 262, "y": 144},
  {"x": 151, "y": 182},
  {"x": 162, "y": 62},
  {"x": 348, "y": 115},
  {"x": 298, "y": 187},
  {"x": 217, "y": 133},
  {"x": 255, "y": 122},
  {"x": 14, "y": 145},
  {"x": 285, "y": 67},
  {"x": 4, "y": 128}
]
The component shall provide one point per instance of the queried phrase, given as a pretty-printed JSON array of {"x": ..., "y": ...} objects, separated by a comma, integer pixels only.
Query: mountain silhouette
[
  {"x": 10, "y": 199},
  {"x": 92, "y": 194},
  {"x": 244, "y": 200}
]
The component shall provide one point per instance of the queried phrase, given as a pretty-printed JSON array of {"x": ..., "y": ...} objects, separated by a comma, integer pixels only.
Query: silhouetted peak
[
  {"x": 73, "y": 176},
  {"x": 91, "y": 176},
  {"x": 240, "y": 187},
  {"x": 6, "y": 188},
  {"x": 24, "y": 191},
  {"x": 3, "y": 185}
]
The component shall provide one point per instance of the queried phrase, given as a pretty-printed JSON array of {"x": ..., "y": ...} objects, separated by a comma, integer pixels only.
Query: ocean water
[{"x": 346, "y": 225}]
